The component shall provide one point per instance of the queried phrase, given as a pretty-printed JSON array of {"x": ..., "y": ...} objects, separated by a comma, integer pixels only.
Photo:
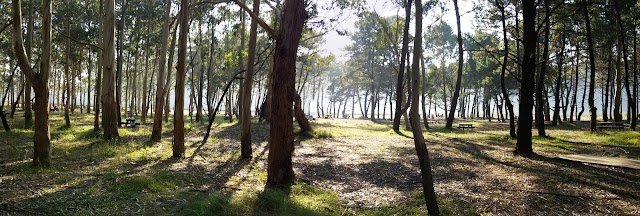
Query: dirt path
[{"x": 370, "y": 169}]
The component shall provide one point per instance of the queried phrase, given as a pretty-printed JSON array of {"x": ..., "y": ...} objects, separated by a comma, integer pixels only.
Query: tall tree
[
  {"x": 28, "y": 114},
  {"x": 67, "y": 75},
  {"x": 280, "y": 169},
  {"x": 540, "y": 85},
  {"x": 120, "y": 60},
  {"x": 245, "y": 113},
  {"x": 529, "y": 38},
  {"x": 178, "y": 114},
  {"x": 418, "y": 138},
  {"x": 156, "y": 134},
  {"x": 109, "y": 109},
  {"x": 403, "y": 56},
  {"x": 592, "y": 66},
  {"x": 512, "y": 129},
  {"x": 98, "y": 99},
  {"x": 39, "y": 80},
  {"x": 456, "y": 93}
]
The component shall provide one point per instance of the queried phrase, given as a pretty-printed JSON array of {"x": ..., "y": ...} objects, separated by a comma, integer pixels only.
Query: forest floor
[{"x": 348, "y": 167}]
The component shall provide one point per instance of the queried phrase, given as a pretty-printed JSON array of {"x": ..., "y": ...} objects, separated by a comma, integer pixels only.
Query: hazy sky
[{"x": 335, "y": 43}]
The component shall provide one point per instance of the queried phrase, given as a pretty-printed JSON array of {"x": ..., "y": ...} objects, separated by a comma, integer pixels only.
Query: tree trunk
[
  {"x": 280, "y": 170},
  {"x": 418, "y": 138},
  {"x": 302, "y": 120},
  {"x": 67, "y": 77},
  {"x": 592, "y": 62},
  {"x": 630, "y": 99},
  {"x": 178, "y": 113},
  {"x": 403, "y": 56},
  {"x": 28, "y": 114},
  {"x": 557, "y": 97},
  {"x": 456, "y": 93},
  {"x": 247, "y": 84},
  {"x": 156, "y": 134},
  {"x": 167, "y": 85},
  {"x": 109, "y": 111},
  {"x": 119, "y": 61},
  {"x": 98, "y": 95},
  {"x": 524, "y": 145},
  {"x": 575, "y": 87},
  {"x": 503, "y": 88},
  {"x": 40, "y": 80},
  {"x": 540, "y": 85}
]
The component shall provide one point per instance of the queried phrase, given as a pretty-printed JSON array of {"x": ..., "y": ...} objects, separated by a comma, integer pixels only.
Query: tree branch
[{"x": 261, "y": 22}]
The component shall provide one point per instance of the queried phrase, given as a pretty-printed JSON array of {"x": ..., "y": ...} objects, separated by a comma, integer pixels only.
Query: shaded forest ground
[{"x": 350, "y": 167}]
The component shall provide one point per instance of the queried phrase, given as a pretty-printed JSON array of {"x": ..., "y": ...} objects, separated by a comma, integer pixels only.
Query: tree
[
  {"x": 592, "y": 64},
  {"x": 39, "y": 80},
  {"x": 245, "y": 113},
  {"x": 418, "y": 138},
  {"x": 280, "y": 170},
  {"x": 109, "y": 108},
  {"x": 403, "y": 56},
  {"x": 539, "y": 84},
  {"x": 178, "y": 114},
  {"x": 156, "y": 134},
  {"x": 28, "y": 114},
  {"x": 524, "y": 145},
  {"x": 505, "y": 95},
  {"x": 456, "y": 93}
]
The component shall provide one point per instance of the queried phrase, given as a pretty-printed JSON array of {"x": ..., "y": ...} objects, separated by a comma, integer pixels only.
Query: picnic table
[
  {"x": 611, "y": 125},
  {"x": 130, "y": 121},
  {"x": 465, "y": 126}
]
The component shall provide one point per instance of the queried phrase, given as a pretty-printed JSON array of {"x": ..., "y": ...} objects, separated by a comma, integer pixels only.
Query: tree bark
[
  {"x": 540, "y": 85},
  {"x": 403, "y": 56},
  {"x": 280, "y": 170},
  {"x": 558, "y": 98},
  {"x": 119, "y": 61},
  {"x": 178, "y": 114},
  {"x": 524, "y": 145},
  {"x": 630, "y": 99},
  {"x": 503, "y": 88},
  {"x": 28, "y": 114},
  {"x": 40, "y": 81},
  {"x": 156, "y": 133},
  {"x": 98, "y": 95},
  {"x": 456, "y": 93},
  {"x": 109, "y": 111},
  {"x": 418, "y": 138},
  {"x": 247, "y": 84},
  {"x": 67, "y": 77}
]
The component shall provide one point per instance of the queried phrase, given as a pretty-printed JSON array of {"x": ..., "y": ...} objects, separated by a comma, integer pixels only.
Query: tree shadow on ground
[{"x": 571, "y": 185}]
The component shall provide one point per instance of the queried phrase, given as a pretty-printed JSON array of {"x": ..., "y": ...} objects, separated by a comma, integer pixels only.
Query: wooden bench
[
  {"x": 610, "y": 125},
  {"x": 465, "y": 126}
]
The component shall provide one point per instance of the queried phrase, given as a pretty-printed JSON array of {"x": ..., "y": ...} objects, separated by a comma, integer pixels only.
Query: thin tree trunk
[
  {"x": 456, "y": 93},
  {"x": 247, "y": 84},
  {"x": 503, "y": 88},
  {"x": 418, "y": 138},
  {"x": 156, "y": 134},
  {"x": 592, "y": 67}
]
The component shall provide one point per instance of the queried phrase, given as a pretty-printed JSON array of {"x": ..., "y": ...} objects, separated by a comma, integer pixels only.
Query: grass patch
[{"x": 322, "y": 134}]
